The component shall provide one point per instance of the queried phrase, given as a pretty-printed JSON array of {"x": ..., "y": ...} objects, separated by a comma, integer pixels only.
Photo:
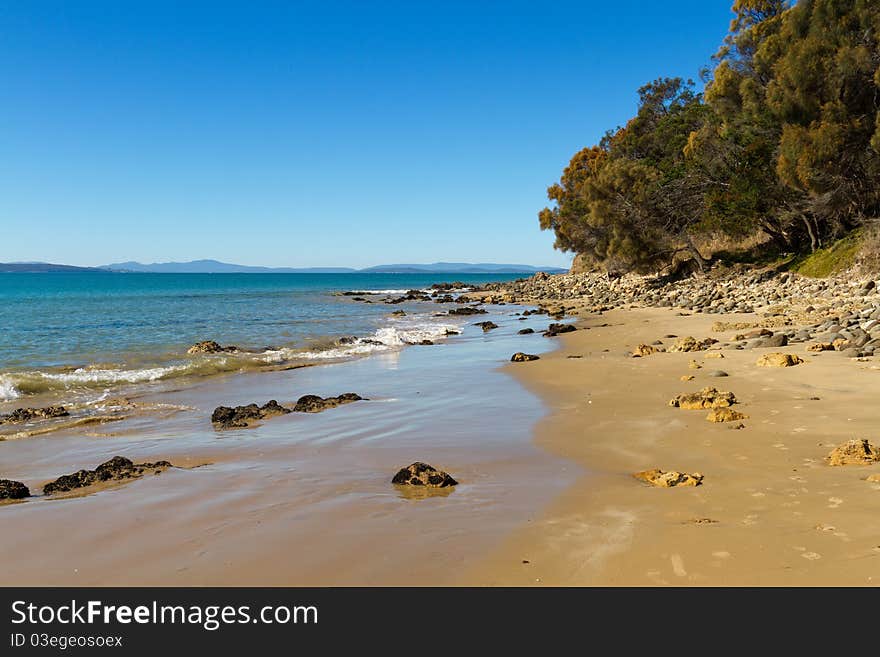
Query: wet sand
[
  {"x": 303, "y": 499},
  {"x": 770, "y": 511}
]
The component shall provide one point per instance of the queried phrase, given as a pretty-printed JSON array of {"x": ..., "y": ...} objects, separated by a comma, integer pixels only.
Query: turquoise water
[{"x": 97, "y": 330}]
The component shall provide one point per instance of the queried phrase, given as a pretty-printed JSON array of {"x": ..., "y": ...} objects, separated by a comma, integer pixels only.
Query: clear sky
[{"x": 314, "y": 133}]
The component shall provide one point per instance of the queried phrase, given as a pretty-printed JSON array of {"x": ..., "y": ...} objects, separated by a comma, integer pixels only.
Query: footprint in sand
[
  {"x": 812, "y": 556},
  {"x": 799, "y": 429},
  {"x": 678, "y": 565},
  {"x": 835, "y": 502}
]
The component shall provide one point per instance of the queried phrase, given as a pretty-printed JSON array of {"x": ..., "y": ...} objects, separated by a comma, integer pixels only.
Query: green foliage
[
  {"x": 785, "y": 142},
  {"x": 836, "y": 258}
]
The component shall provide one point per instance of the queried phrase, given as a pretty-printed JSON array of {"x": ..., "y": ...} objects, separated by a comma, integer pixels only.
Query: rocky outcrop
[
  {"x": 424, "y": 475},
  {"x": 690, "y": 343},
  {"x": 13, "y": 490},
  {"x": 725, "y": 415},
  {"x": 210, "y": 347},
  {"x": 779, "y": 360},
  {"x": 669, "y": 479},
  {"x": 116, "y": 469},
  {"x": 487, "y": 326},
  {"x": 704, "y": 399},
  {"x": 557, "y": 329},
  {"x": 20, "y": 415},
  {"x": 520, "y": 357},
  {"x": 854, "y": 452},
  {"x": 316, "y": 404},
  {"x": 644, "y": 350},
  {"x": 242, "y": 417},
  {"x": 467, "y": 310}
]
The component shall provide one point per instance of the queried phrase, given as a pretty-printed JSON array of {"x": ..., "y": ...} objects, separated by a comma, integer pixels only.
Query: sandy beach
[{"x": 770, "y": 511}]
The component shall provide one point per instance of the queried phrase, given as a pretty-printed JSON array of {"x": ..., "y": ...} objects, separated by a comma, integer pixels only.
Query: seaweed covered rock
[
  {"x": 657, "y": 477},
  {"x": 520, "y": 357},
  {"x": 240, "y": 417},
  {"x": 116, "y": 469},
  {"x": 854, "y": 452},
  {"x": 705, "y": 398},
  {"x": 30, "y": 414},
  {"x": 777, "y": 359},
  {"x": 467, "y": 310},
  {"x": 13, "y": 490},
  {"x": 316, "y": 404},
  {"x": 210, "y": 347},
  {"x": 422, "y": 474}
]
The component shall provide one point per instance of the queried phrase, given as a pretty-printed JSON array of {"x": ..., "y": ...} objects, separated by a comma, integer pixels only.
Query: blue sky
[{"x": 314, "y": 133}]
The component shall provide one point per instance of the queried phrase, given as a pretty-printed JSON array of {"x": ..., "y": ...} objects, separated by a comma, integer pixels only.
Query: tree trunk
[
  {"x": 698, "y": 257},
  {"x": 813, "y": 240}
]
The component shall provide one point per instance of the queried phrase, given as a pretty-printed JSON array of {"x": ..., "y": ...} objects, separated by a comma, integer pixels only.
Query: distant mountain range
[{"x": 216, "y": 267}]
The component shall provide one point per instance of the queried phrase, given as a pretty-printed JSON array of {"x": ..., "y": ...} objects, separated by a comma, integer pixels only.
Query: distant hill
[
  {"x": 217, "y": 267},
  {"x": 39, "y": 268}
]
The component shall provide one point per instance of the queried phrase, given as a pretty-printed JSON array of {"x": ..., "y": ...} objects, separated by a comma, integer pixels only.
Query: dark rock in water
[
  {"x": 555, "y": 329},
  {"x": 446, "y": 298},
  {"x": 29, "y": 414},
  {"x": 116, "y": 469},
  {"x": 424, "y": 343},
  {"x": 399, "y": 313},
  {"x": 13, "y": 490},
  {"x": 467, "y": 310},
  {"x": 210, "y": 347},
  {"x": 241, "y": 417},
  {"x": 422, "y": 474},
  {"x": 526, "y": 331},
  {"x": 316, "y": 404},
  {"x": 487, "y": 326},
  {"x": 520, "y": 357},
  {"x": 411, "y": 295},
  {"x": 452, "y": 332},
  {"x": 358, "y": 299}
]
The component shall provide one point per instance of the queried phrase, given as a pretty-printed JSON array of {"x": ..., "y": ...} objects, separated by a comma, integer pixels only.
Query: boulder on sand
[
  {"x": 689, "y": 343},
  {"x": 669, "y": 479},
  {"x": 116, "y": 469},
  {"x": 422, "y": 474},
  {"x": 13, "y": 490},
  {"x": 556, "y": 329},
  {"x": 316, "y": 404},
  {"x": 725, "y": 415},
  {"x": 854, "y": 452},
  {"x": 644, "y": 350},
  {"x": 779, "y": 360},
  {"x": 520, "y": 357},
  {"x": 705, "y": 398}
]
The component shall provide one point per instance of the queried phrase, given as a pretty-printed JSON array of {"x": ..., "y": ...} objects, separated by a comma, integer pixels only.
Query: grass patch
[{"x": 830, "y": 260}]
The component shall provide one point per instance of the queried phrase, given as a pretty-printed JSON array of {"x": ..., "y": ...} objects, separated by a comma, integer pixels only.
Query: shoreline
[{"x": 769, "y": 512}]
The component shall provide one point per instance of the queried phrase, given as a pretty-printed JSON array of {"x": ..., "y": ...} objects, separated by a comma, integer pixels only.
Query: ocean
[{"x": 85, "y": 334}]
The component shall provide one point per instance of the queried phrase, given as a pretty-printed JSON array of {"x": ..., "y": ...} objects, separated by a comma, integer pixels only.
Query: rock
[
  {"x": 467, "y": 310},
  {"x": 242, "y": 417},
  {"x": 525, "y": 331},
  {"x": 520, "y": 357},
  {"x": 20, "y": 415},
  {"x": 694, "y": 365},
  {"x": 487, "y": 326},
  {"x": 116, "y": 469},
  {"x": 422, "y": 474},
  {"x": 714, "y": 354},
  {"x": 398, "y": 313},
  {"x": 725, "y": 415},
  {"x": 778, "y": 340},
  {"x": 717, "y": 374},
  {"x": 556, "y": 329},
  {"x": 644, "y": 350},
  {"x": 705, "y": 398},
  {"x": 669, "y": 479},
  {"x": 689, "y": 343},
  {"x": 779, "y": 360},
  {"x": 13, "y": 490},
  {"x": 854, "y": 452},
  {"x": 316, "y": 404},
  {"x": 210, "y": 347},
  {"x": 820, "y": 346},
  {"x": 687, "y": 377},
  {"x": 874, "y": 478}
]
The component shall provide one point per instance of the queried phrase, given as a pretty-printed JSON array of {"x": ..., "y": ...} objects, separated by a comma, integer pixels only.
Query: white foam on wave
[{"x": 8, "y": 391}]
